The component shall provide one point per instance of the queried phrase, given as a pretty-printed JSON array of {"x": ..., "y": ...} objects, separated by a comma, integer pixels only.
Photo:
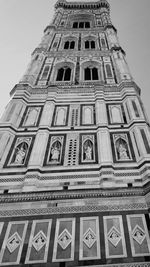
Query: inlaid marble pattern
[
  {"x": 89, "y": 238},
  {"x": 64, "y": 240},
  {"x": 39, "y": 241},
  {"x": 139, "y": 237},
  {"x": 13, "y": 243},
  {"x": 114, "y": 237}
]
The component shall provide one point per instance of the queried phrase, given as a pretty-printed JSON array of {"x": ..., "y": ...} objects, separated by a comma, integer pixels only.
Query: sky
[{"x": 21, "y": 28}]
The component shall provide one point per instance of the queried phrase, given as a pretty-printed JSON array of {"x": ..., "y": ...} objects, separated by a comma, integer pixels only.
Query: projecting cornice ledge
[
  {"x": 76, "y": 194},
  {"x": 83, "y": 5}
]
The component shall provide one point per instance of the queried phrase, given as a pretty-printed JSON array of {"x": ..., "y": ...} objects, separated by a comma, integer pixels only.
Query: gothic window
[
  {"x": 81, "y": 24},
  {"x": 89, "y": 44},
  {"x": 64, "y": 74},
  {"x": 146, "y": 143},
  {"x": 45, "y": 72},
  {"x": 69, "y": 45},
  {"x": 135, "y": 109},
  {"x": 108, "y": 71},
  {"x": 91, "y": 73},
  {"x": 75, "y": 25}
]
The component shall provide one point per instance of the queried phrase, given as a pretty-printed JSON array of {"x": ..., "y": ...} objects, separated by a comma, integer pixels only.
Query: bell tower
[{"x": 75, "y": 151}]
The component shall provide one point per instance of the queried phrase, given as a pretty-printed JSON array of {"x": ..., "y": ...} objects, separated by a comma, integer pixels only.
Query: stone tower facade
[{"x": 75, "y": 151}]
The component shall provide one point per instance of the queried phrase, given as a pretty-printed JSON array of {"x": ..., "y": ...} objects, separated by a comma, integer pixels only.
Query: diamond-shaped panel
[
  {"x": 39, "y": 240},
  {"x": 114, "y": 236},
  {"x": 89, "y": 238},
  {"x": 138, "y": 234},
  {"x": 13, "y": 242},
  {"x": 64, "y": 239}
]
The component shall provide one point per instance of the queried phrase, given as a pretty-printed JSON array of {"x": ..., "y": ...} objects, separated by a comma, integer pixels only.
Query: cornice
[
  {"x": 82, "y": 5},
  {"x": 71, "y": 194}
]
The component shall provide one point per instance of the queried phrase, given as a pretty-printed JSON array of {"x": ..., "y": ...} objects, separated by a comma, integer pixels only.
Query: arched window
[
  {"x": 75, "y": 25},
  {"x": 72, "y": 44},
  {"x": 87, "y": 24},
  {"x": 81, "y": 24},
  {"x": 64, "y": 74},
  {"x": 69, "y": 45},
  {"x": 89, "y": 44},
  {"x": 87, "y": 74},
  {"x": 91, "y": 74},
  {"x": 94, "y": 74},
  {"x": 108, "y": 71},
  {"x": 66, "y": 46},
  {"x": 92, "y": 45}
]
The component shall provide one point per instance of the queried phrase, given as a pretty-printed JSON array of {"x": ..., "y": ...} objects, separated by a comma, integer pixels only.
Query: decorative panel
[
  {"x": 88, "y": 152},
  {"x": 87, "y": 115},
  {"x": 31, "y": 116},
  {"x": 13, "y": 243},
  {"x": 55, "y": 150},
  {"x": 60, "y": 116},
  {"x": 20, "y": 152},
  {"x": 89, "y": 238},
  {"x": 122, "y": 147},
  {"x": 139, "y": 236},
  {"x": 39, "y": 241},
  {"x": 115, "y": 114},
  {"x": 64, "y": 240},
  {"x": 114, "y": 237}
]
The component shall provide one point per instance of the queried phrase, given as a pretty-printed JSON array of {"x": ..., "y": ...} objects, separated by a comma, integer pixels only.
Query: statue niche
[
  {"x": 55, "y": 153},
  {"x": 88, "y": 153},
  {"x": 20, "y": 153},
  {"x": 122, "y": 149}
]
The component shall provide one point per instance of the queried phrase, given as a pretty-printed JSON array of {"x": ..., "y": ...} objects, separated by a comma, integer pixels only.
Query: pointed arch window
[
  {"x": 64, "y": 74},
  {"x": 89, "y": 44},
  {"x": 81, "y": 24},
  {"x": 91, "y": 74},
  {"x": 69, "y": 45},
  {"x": 135, "y": 109}
]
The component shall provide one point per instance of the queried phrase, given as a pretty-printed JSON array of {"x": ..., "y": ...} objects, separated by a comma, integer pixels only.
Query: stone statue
[
  {"x": 122, "y": 151},
  {"x": 20, "y": 155},
  {"x": 88, "y": 152},
  {"x": 55, "y": 153}
]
